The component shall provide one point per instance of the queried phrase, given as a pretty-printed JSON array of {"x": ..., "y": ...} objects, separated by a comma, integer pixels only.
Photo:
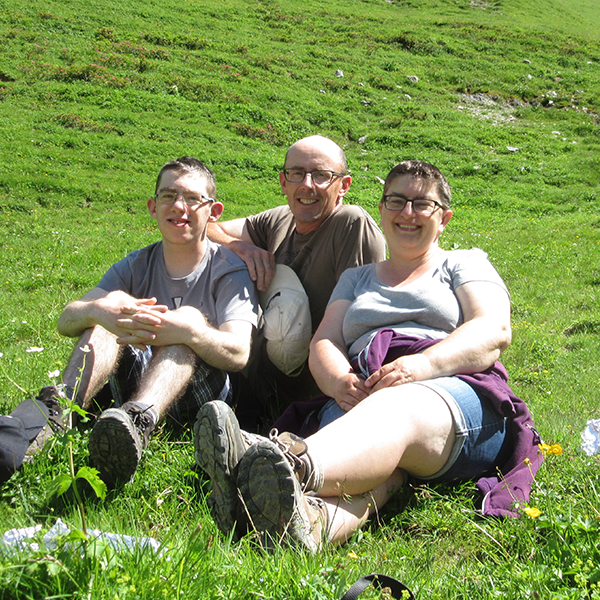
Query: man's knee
[
  {"x": 179, "y": 354},
  {"x": 287, "y": 324}
]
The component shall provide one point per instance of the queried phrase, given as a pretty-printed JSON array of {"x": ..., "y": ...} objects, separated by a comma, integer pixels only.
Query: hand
[
  {"x": 414, "y": 367},
  {"x": 152, "y": 325},
  {"x": 350, "y": 390},
  {"x": 260, "y": 263},
  {"x": 142, "y": 305}
]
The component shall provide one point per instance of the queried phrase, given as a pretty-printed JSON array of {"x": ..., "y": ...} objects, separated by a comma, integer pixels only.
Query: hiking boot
[
  {"x": 308, "y": 472},
  {"x": 276, "y": 506},
  {"x": 219, "y": 444},
  {"x": 118, "y": 439},
  {"x": 48, "y": 401}
]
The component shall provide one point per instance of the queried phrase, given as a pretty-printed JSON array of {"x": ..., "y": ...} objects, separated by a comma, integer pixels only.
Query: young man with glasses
[
  {"x": 295, "y": 254},
  {"x": 164, "y": 325}
]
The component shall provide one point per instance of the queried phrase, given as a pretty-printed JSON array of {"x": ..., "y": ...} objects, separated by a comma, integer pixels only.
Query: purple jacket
[{"x": 503, "y": 493}]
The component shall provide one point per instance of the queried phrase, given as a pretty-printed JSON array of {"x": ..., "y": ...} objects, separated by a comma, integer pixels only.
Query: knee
[{"x": 177, "y": 353}]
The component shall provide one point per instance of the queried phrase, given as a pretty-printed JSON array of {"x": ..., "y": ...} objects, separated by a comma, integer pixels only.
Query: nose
[
  {"x": 308, "y": 182},
  {"x": 408, "y": 211},
  {"x": 179, "y": 200}
]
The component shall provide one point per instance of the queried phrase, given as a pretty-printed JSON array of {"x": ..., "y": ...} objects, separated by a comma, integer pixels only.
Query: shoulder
[
  {"x": 351, "y": 213},
  {"x": 221, "y": 257},
  {"x": 472, "y": 256},
  {"x": 358, "y": 274},
  {"x": 272, "y": 215},
  {"x": 465, "y": 266},
  {"x": 143, "y": 256}
]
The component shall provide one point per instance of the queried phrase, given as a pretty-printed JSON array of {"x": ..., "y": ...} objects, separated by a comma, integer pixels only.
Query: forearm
[
  {"x": 471, "y": 348},
  {"x": 217, "y": 234},
  {"x": 328, "y": 364},
  {"x": 77, "y": 317},
  {"x": 220, "y": 349}
]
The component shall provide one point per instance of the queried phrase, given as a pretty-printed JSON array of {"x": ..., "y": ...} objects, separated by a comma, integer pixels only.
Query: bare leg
[
  {"x": 347, "y": 516},
  {"x": 408, "y": 426},
  {"x": 167, "y": 377},
  {"x": 92, "y": 368}
]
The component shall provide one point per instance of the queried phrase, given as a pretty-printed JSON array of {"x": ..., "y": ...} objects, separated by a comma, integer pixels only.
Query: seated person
[
  {"x": 296, "y": 253},
  {"x": 407, "y": 351},
  {"x": 165, "y": 325}
]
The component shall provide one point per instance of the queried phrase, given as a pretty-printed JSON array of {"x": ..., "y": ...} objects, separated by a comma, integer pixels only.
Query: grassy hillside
[{"x": 95, "y": 96}]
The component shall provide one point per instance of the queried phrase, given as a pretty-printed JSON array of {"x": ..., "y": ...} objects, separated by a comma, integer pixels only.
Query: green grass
[{"x": 96, "y": 96}]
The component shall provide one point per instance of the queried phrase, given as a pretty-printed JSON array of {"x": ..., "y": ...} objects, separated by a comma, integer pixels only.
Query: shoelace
[
  {"x": 295, "y": 462},
  {"x": 140, "y": 419}
]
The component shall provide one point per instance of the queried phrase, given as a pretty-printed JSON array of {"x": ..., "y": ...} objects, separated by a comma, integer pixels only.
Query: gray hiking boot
[
  {"x": 273, "y": 498},
  {"x": 50, "y": 397},
  {"x": 118, "y": 439},
  {"x": 219, "y": 445}
]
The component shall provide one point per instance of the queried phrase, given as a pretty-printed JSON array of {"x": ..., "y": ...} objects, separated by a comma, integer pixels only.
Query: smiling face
[
  {"x": 411, "y": 234},
  {"x": 310, "y": 203},
  {"x": 180, "y": 224}
]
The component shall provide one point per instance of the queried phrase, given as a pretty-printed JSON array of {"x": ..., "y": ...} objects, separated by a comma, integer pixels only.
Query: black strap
[{"x": 379, "y": 581}]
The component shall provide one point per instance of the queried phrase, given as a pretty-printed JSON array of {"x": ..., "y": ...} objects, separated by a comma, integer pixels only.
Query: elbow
[
  {"x": 505, "y": 338},
  {"x": 239, "y": 360}
]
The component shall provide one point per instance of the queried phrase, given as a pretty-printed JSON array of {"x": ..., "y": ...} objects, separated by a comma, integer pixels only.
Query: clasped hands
[
  {"x": 143, "y": 322},
  {"x": 352, "y": 388}
]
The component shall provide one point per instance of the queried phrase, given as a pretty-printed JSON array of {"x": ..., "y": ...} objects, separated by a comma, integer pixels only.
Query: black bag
[{"x": 380, "y": 581}]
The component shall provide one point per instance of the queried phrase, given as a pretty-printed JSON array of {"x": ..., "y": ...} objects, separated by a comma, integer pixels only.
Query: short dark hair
[
  {"x": 188, "y": 164},
  {"x": 418, "y": 169}
]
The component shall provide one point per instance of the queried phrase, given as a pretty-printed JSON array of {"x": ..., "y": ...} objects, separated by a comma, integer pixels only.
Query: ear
[
  {"x": 346, "y": 181},
  {"x": 216, "y": 210},
  {"x": 447, "y": 216},
  {"x": 283, "y": 182},
  {"x": 152, "y": 207}
]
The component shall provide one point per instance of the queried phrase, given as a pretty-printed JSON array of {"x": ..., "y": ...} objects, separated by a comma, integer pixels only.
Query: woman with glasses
[{"x": 407, "y": 352}]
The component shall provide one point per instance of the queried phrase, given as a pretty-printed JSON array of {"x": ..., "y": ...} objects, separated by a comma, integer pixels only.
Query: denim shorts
[{"x": 482, "y": 435}]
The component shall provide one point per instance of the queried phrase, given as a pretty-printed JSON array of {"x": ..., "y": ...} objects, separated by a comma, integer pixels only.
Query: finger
[
  {"x": 145, "y": 301},
  {"x": 259, "y": 278},
  {"x": 249, "y": 260},
  {"x": 146, "y": 319},
  {"x": 389, "y": 381},
  {"x": 269, "y": 271}
]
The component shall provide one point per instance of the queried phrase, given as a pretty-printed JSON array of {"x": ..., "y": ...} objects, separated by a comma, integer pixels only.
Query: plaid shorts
[{"x": 208, "y": 383}]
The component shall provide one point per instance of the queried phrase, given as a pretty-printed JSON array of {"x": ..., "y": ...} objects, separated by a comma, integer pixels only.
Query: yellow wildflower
[
  {"x": 527, "y": 461},
  {"x": 555, "y": 449},
  {"x": 534, "y": 513},
  {"x": 352, "y": 554}
]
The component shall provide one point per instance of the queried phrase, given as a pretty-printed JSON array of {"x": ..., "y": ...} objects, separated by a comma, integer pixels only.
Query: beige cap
[{"x": 287, "y": 325}]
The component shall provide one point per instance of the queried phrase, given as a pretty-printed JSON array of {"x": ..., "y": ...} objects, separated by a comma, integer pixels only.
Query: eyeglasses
[
  {"x": 422, "y": 206},
  {"x": 319, "y": 176},
  {"x": 191, "y": 200}
]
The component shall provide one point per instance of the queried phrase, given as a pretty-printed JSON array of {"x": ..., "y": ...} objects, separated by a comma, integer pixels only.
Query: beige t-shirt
[{"x": 347, "y": 238}]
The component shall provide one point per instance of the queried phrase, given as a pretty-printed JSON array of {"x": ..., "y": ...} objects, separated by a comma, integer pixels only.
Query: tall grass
[{"x": 96, "y": 96}]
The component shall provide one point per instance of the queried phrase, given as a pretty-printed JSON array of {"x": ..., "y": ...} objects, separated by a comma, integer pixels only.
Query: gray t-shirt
[
  {"x": 220, "y": 288},
  {"x": 426, "y": 307}
]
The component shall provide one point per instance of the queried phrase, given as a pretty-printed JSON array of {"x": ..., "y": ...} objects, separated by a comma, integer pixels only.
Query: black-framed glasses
[
  {"x": 191, "y": 200},
  {"x": 319, "y": 176},
  {"x": 422, "y": 206}
]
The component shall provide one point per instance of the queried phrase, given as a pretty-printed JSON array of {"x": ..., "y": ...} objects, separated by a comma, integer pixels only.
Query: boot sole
[
  {"x": 219, "y": 446},
  {"x": 115, "y": 447}
]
